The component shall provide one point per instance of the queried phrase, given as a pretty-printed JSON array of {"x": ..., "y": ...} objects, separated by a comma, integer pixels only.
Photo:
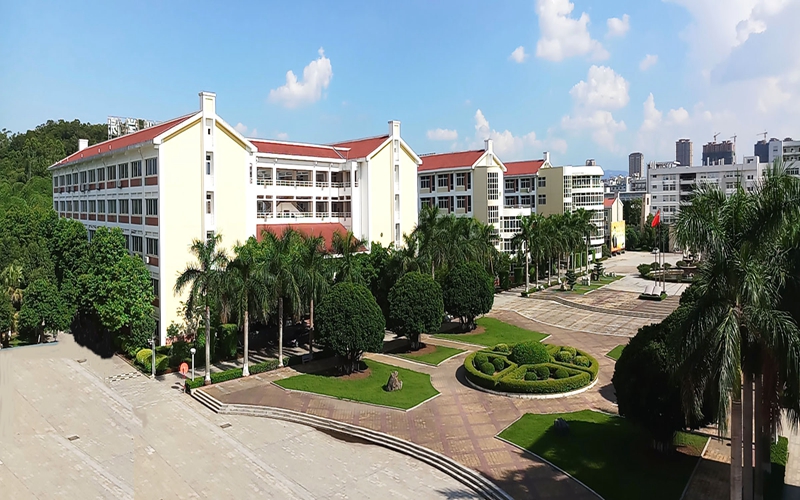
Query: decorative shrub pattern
[{"x": 557, "y": 368}]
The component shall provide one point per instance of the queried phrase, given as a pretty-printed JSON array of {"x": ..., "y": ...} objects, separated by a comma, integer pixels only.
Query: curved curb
[
  {"x": 603, "y": 310},
  {"x": 562, "y": 327},
  {"x": 466, "y": 476},
  {"x": 520, "y": 395}
]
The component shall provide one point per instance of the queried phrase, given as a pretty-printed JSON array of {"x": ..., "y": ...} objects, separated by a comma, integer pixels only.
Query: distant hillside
[{"x": 24, "y": 158}]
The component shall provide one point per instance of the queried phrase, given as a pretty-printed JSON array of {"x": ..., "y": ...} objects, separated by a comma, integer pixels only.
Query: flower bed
[{"x": 531, "y": 368}]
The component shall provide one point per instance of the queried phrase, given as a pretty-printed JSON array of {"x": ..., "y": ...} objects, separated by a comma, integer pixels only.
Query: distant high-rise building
[
  {"x": 761, "y": 149},
  {"x": 683, "y": 152},
  {"x": 719, "y": 153},
  {"x": 635, "y": 161}
]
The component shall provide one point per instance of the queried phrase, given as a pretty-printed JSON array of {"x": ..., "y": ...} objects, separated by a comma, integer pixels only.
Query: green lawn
[
  {"x": 583, "y": 289},
  {"x": 616, "y": 352},
  {"x": 432, "y": 358},
  {"x": 496, "y": 332},
  {"x": 416, "y": 386},
  {"x": 608, "y": 454}
]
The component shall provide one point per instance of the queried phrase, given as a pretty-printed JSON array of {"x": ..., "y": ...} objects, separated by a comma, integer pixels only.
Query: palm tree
[
  {"x": 314, "y": 276},
  {"x": 203, "y": 280},
  {"x": 484, "y": 237},
  {"x": 281, "y": 274},
  {"x": 737, "y": 329},
  {"x": 11, "y": 281},
  {"x": 246, "y": 288},
  {"x": 583, "y": 225},
  {"x": 425, "y": 234},
  {"x": 346, "y": 246},
  {"x": 523, "y": 241}
]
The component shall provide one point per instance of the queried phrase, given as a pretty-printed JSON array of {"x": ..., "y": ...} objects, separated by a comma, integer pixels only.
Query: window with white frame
[
  {"x": 111, "y": 172},
  {"x": 123, "y": 207},
  {"x": 136, "y": 168},
  {"x": 511, "y": 201},
  {"x": 209, "y": 202},
  {"x": 525, "y": 183},
  {"x": 444, "y": 203},
  {"x": 55, "y": 206},
  {"x": 152, "y": 246},
  {"x": 112, "y": 207},
  {"x": 492, "y": 214},
  {"x": 101, "y": 174},
  {"x": 542, "y": 182},
  {"x": 83, "y": 177},
  {"x": 461, "y": 179},
  {"x": 151, "y": 166},
  {"x": 122, "y": 170},
  {"x": 397, "y": 232},
  {"x": 101, "y": 206},
  {"x": 136, "y": 207},
  {"x": 92, "y": 206},
  {"x": 84, "y": 206},
  {"x": 425, "y": 182},
  {"x": 525, "y": 201},
  {"x": 461, "y": 202},
  {"x": 541, "y": 199},
  {"x": 92, "y": 175},
  {"x": 209, "y": 163},
  {"x": 442, "y": 180},
  {"x": 491, "y": 186},
  {"x": 63, "y": 206},
  {"x": 151, "y": 205},
  {"x": 136, "y": 244},
  {"x": 510, "y": 185}
]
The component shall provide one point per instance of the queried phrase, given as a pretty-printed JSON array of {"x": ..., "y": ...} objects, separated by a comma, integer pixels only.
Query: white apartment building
[
  {"x": 671, "y": 184},
  {"x": 195, "y": 175},
  {"x": 627, "y": 188},
  {"x": 788, "y": 150}
]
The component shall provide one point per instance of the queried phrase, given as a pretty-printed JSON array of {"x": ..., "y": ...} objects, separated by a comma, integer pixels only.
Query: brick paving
[{"x": 462, "y": 422}]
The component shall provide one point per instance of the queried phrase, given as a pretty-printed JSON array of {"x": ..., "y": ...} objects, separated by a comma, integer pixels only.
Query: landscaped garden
[
  {"x": 431, "y": 354},
  {"x": 531, "y": 368},
  {"x": 581, "y": 289},
  {"x": 491, "y": 332},
  {"x": 367, "y": 386},
  {"x": 616, "y": 352},
  {"x": 609, "y": 454}
]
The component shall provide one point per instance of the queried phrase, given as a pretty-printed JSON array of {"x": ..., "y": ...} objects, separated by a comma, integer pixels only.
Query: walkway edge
[
  {"x": 526, "y": 395},
  {"x": 466, "y": 476},
  {"x": 562, "y": 327},
  {"x": 603, "y": 310},
  {"x": 694, "y": 471}
]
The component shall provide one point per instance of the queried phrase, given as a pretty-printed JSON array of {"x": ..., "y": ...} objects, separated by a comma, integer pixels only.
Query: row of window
[
  {"x": 112, "y": 207},
  {"x": 134, "y": 243},
  {"x": 518, "y": 184},
  {"x": 462, "y": 179},
  {"x": 112, "y": 172},
  {"x": 512, "y": 201}
]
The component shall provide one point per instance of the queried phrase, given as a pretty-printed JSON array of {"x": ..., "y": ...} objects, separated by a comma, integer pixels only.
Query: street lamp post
[
  {"x": 153, "y": 360},
  {"x": 193, "y": 350}
]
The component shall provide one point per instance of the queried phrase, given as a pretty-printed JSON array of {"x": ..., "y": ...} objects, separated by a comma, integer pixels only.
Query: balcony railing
[
  {"x": 302, "y": 215},
  {"x": 517, "y": 206},
  {"x": 291, "y": 182},
  {"x": 341, "y": 215},
  {"x": 293, "y": 215},
  {"x": 264, "y": 181}
]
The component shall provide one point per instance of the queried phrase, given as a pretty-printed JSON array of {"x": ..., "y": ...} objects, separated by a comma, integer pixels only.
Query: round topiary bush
[
  {"x": 582, "y": 361},
  {"x": 573, "y": 352},
  {"x": 529, "y": 353},
  {"x": 531, "y": 376},
  {"x": 480, "y": 358},
  {"x": 542, "y": 372},
  {"x": 563, "y": 356},
  {"x": 498, "y": 364},
  {"x": 501, "y": 348},
  {"x": 560, "y": 373},
  {"x": 487, "y": 368},
  {"x": 415, "y": 306}
]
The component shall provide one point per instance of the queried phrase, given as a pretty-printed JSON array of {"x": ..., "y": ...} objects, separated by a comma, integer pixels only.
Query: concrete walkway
[{"x": 460, "y": 423}]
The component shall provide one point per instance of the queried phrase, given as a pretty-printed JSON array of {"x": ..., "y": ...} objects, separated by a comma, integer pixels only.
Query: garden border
[
  {"x": 421, "y": 363},
  {"x": 482, "y": 347},
  {"x": 438, "y": 393},
  {"x": 528, "y": 395}
]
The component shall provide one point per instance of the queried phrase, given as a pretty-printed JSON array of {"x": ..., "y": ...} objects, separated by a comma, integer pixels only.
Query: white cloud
[
  {"x": 601, "y": 123},
  {"x": 603, "y": 89},
  {"x": 316, "y": 78},
  {"x": 282, "y": 136},
  {"x": 241, "y": 128},
  {"x": 678, "y": 116},
  {"x": 563, "y": 36},
  {"x": 442, "y": 134},
  {"x": 652, "y": 116},
  {"x": 648, "y": 62},
  {"x": 771, "y": 95},
  {"x": 617, "y": 26},
  {"x": 518, "y": 55},
  {"x": 512, "y": 147}
]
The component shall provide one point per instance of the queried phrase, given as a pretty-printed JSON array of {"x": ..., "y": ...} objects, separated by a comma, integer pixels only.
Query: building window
[
  {"x": 525, "y": 201},
  {"x": 397, "y": 203},
  {"x": 397, "y": 232},
  {"x": 155, "y": 286},
  {"x": 63, "y": 206},
  {"x": 151, "y": 166},
  {"x": 55, "y": 206},
  {"x": 209, "y": 235},
  {"x": 461, "y": 202},
  {"x": 491, "y": 186},
  {"x": 511, "y": 201},
  {"x": 444, "y": 203},
  {"x": 127, "y": 242},
  {"x": 152, "y": 246},
  {"x": 84, "y": 206},
  {"x": 136, "y": 207},
  {"x": 111, "y": 173},
  {"x": 91, "y": 234},
  {"x": 92, "y": 207},
  {"x": 101, "y": 206},
  {"x": 461, "y": 179},
  {"x": 209, "y": 163},
  {"x": 92, "y": 175},
  {"x": 61, "y": 181},
  {"x": 83, "y": 177},
  {"x": 136, "y": 244},
  {"x": 152, "y": 206},
  {"x": 123, "y": 207},
  {"x": 541, "y": 199},
  {"x": 441, "y": 180},
  {"x": 69, "y": 206},
  {"x": 492, "y": 213},
  {"x": 112, "y": 207},
  {"x": 425, "y": 182},
  {"x": 524, "y": 184},
  {"x": 542, "y": 182},
  {"x": 136, "y": 168},
  {"x": 101, "y": 174},
  {"x": 55, "y": 181},
  {"x": 122, "y": 169},
  {"x": 427, "y": 202},
  {"x": 510, "y": 185},
  {"x": 209, "y": 203}
]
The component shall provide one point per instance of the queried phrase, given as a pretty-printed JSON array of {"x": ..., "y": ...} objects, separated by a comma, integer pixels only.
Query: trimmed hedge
[
  {"x": 528, "y": 353},
  {"x": 234, "y": 373},
  {"x": 499, "y": 364}
]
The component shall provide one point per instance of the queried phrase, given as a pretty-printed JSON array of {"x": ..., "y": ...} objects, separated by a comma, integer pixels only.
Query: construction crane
[
  {"x": 764, "y": 134},
  {"x": 734, "y": 139},
  {"x": 715, "y": 136}
]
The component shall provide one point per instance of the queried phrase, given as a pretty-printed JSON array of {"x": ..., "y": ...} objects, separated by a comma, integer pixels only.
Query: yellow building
[{"x": 195, "y": 175}]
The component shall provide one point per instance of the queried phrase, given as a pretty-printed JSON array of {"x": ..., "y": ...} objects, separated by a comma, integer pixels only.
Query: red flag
[{"x": 656, "y": 219}]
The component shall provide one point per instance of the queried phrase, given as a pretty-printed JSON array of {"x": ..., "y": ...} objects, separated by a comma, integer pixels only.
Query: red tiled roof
[
  {"x": 311, "y": 150},
  {"x": 124, "y": 141},
  {"x": 607, "y": 202},
  {"x": 450, "y": 160},
  {"x": 324, "y": 229},
  {"x": 528, "y": 167},
  {"x": 360, "y": 148}
]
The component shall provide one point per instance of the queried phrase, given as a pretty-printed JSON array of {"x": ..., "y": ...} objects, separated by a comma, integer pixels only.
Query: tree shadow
[
  {"x": 608, "y": 393},
  {"x": 452, "y": 493},
  {"x": 86, "y": 334}
]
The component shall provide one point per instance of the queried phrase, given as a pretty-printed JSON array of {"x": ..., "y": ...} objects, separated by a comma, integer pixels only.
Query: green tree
[
  {"x": 415, "y": 306},
  {"x": 315, "y": 277},
  {"x": 468, "y": 292},
  {"x": 350, "y": 323},
  {"x": 283, "y": 274},
  {"x": 43, "y": 311},
  {"x": 6, "y": 319},
  {"x": 346, "y": 247},
  {"x": 204, "y": 281},
  {"x": 585, "y": 228}
]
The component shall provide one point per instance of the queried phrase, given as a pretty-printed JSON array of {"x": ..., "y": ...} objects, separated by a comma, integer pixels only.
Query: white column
[{"x": 355, "y": 201}]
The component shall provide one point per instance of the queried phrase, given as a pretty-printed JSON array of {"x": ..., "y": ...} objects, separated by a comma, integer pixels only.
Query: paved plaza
[{"x": 97, "y": 429}]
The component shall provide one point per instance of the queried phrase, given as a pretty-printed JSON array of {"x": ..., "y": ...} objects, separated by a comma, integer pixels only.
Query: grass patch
[
  {"x": 495, "y": 332},
  {"x": 773, "y": 481},
  {"x": 616, "y": 352},
  {"x": 416, "y": 386},
  {"x": 584, "y": 289},
  {"x": 609, "y": 454},
  {"x": 439, "y": 354}
]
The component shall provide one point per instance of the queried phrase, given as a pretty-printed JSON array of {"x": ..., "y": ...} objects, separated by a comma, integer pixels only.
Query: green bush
[
  {"x": 571, "y": 350},
  {"x": 681, "y": 263},
  {"x": 227, "y": 341},
  {"x": 542, "y": 372},
  {"x": 563, "y": 357},
  {"x": 468, "y": 292},
  {"x": 644, "y": 269},
  {"x": 163, "y": 349},
  {"x": 560, "y": 373},
  {"x": 487, "y": 368},
  {"x": 531, "y": 376},
  {"x": 144, "y": 355},
  {"x": 513, "y": 382},
  {"x": 529, "y": 353},
  {"x": 180, "y": 352},
  {"x": 501, "y": 348},
  {"x": 655, "y": 266},
  {"x": 582, "y": 361},
  {"x": 144, "y": 358},
  {"x": 499, "y": 364},
  {"x": 667, "y": 266},
  {"x": 415, "y": 306},
  {"x": 235, "y": 373},
  {"x": 481, "y": 358}
]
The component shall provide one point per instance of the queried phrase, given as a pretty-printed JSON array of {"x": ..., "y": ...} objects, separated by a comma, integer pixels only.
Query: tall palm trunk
[
  {"x": 311, "y": 332},
  {"x": 747, "y": 435},
  {"x": 207, "y": 379},
  {"x": 246, "y": 368},
  {"x": 536, "y": 268},
  {"x": 280, "y": 331},
  {"x": 761, "y": 438},
  {"x": 587, "y": 260},
  {"x": 736, "y": 448},
  {"x": 527, "y": 272}
]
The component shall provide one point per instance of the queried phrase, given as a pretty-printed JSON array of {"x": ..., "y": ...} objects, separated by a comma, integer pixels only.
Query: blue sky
[{"x": 579, "y": 87}]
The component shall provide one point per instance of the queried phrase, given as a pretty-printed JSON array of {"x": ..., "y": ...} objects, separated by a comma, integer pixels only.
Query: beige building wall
[
  {"x": 553, "y": 191},
  {"x": 480, "y": 200},
  {"x": 230, "y": 187},
  {"x": 409, "y": 213},
  {"x": 381, "y": 196}
]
